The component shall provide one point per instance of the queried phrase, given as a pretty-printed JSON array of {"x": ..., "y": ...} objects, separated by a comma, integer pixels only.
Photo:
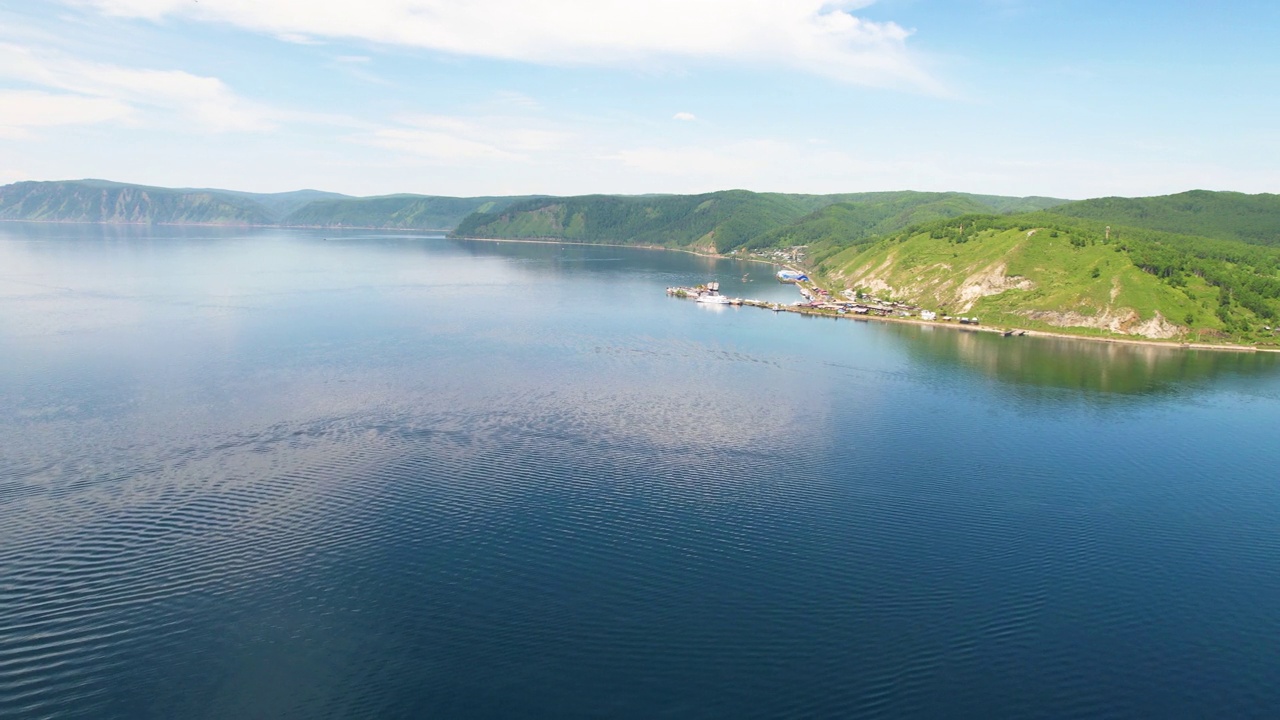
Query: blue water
[{"x": 318, "y": 474}]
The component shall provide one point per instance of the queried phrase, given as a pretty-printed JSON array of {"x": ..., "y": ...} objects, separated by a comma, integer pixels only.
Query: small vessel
[{"x": 713, "y": 299}]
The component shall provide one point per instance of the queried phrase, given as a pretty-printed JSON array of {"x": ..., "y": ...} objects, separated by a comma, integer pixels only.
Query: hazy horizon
[{"x": 209, "y": 188}]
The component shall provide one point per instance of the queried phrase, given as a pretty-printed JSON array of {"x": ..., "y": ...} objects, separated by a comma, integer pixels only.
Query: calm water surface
[{"x": 290, "y": 474}]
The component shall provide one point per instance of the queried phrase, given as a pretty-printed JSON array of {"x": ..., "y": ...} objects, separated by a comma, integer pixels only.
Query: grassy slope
[
  {"x": 1224, "y": 215},
  {"x": 1047, "y": 280}
]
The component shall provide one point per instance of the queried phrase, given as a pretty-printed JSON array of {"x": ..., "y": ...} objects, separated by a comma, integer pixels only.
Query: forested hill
[
  {"x": 101, "y": 201},
  {"x": 419, "y": 212},
  {"x": 1015, "y": 262},
  {"x": 96, "y": 201},
  {"x": 718, "y": 221},
  {"x": 729, "y": 220},
  {"x": 865, "y": 217},
  {"x": 1226, "y": 215},
  {"x": 280, "y": 205},
  {"x": 1048, "y": 271}
]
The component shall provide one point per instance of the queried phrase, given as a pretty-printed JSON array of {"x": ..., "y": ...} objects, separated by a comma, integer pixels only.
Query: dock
[{"x": 817, "y": 301}]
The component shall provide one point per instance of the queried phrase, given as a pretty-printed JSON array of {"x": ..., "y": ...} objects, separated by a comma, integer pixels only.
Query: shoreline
[
  {"x": 1001, "y": 329},
  {"x": 663, "y": 248},
  {"x": 1027, "y": 332},
  {"x": 229, "y": 226},
  {"x": 994, "y": 330}
]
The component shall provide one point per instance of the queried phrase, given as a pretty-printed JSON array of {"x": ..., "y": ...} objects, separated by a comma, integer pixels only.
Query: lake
[{"x": 278, "y": 474}]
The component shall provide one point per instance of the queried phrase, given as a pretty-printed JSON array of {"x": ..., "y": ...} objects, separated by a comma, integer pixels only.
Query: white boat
[{"x": 713, "y": 299}]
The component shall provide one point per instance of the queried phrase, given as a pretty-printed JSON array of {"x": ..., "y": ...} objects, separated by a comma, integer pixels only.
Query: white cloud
[
  {"x": 21, "y": 110},
  {"x": 684, "y": 116},
  {"x": 203, "y": 101},
  {"x": 816, "y": 36},
  {"x": 692, "y": 163},
  {"x": 436, "y": 145},
  {"x": 509, "y": 98},
  {"x": 298, "y": 39},
  {"x": 760, "y": 164},
  {"x": 357, "y": 66},
  {"x": 447, "y": 139}
]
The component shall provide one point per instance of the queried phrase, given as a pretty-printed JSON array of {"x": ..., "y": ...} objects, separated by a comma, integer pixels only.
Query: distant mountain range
[
  {"x": 728, "y": 220},
  {"x": 1195, "y": 266},
  {"x": 721, "y": 221},
  {"x": 101, "y": 201}
]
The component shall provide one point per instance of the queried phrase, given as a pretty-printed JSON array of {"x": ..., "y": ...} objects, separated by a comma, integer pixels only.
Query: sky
[{"x": 1063, "y": 98}]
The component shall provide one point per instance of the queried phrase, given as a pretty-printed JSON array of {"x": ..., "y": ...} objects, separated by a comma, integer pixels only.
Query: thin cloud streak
[
  {"x": 446, "y": 139},
  {"x": 815, "y": 36},
  {"x": 205, "y": 101},
  {"x": 22, "y": 110}
]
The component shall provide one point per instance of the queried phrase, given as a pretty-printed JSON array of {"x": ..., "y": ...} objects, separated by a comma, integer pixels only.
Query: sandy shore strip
[{"x": 1024, "y": 332}]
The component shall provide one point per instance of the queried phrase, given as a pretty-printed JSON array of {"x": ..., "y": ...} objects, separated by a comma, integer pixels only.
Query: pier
[{"x": 817, "y": 301}]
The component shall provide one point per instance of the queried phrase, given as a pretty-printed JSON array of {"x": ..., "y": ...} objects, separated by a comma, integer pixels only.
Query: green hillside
[
  {"x": 1224, "y": 215},
  {"x": 731, "y": 220},
  {"x": 864, "y": 217},
  {"x": 105, "y": 202},
  {"x": 416, "y": 212},
  {"x": 1053, "y": 273},
  {"x": 1005, "y": 205},
  {"x": 280, "y": 205},
  {"x": 718, "y": 222}
]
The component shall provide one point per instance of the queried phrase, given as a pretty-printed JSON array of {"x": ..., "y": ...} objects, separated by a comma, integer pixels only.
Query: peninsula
[{"x": 1196, "y": 267}]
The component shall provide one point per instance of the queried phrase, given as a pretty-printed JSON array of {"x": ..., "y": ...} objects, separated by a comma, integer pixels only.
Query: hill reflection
[{"x": 1116, "y": 368}]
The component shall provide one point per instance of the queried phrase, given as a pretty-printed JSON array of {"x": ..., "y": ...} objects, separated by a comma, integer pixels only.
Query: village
[{"x": 819, "y": 301}]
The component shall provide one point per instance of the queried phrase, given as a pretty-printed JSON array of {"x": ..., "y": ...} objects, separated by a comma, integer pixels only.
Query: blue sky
[{"x": 1015, "y": 97}]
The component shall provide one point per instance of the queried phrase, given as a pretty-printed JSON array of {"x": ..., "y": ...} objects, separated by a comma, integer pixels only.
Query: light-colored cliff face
[
  {"x": 1022, "y": 277},
  {"x": 989, "y": 281},
  {"x": 1124, "y": 321}
]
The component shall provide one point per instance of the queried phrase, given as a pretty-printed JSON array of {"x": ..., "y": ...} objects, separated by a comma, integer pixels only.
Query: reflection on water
[
  {"x": 1119, "y": 368},
  {"x": 737, "y": 278}
]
